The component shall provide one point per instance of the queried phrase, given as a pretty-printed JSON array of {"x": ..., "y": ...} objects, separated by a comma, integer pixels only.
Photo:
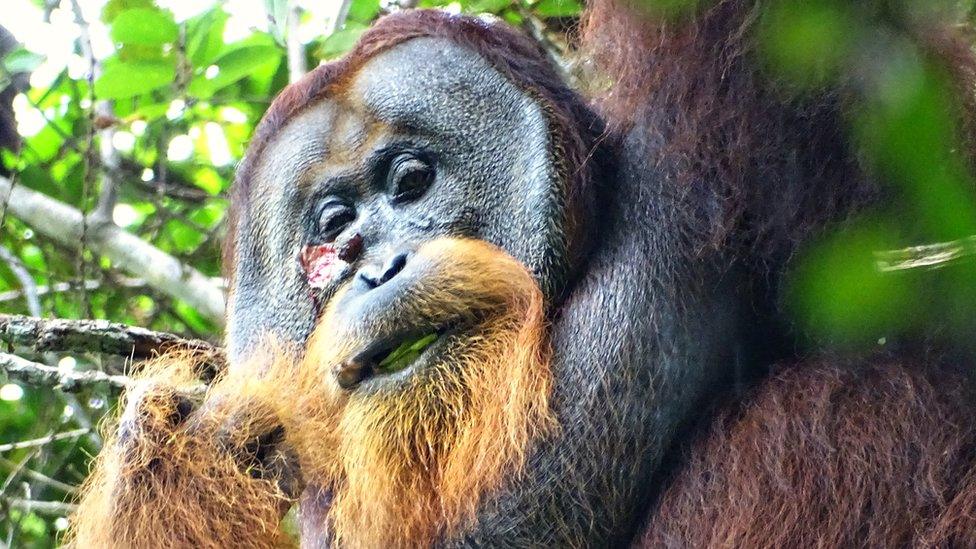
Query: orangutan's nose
[{"x": 376, "y": 275}]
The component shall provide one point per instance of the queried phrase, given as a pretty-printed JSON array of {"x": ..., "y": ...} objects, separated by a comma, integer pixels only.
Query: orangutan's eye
[
  {"x": 333, "y": 216},
  {"x": 409, "y": 178}
]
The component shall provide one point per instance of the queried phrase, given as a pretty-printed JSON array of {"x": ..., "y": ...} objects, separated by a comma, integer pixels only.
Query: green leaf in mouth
[{"x": 406, "y": 353}]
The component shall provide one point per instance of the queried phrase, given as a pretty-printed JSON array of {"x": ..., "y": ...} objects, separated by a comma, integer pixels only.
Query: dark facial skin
[
  {"x": 387, "y": 171},
  {"x": 429, "y": 140}
]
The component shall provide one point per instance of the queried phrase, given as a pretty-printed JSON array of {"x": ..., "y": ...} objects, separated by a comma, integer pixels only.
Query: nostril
[
  {"x": 377, "y": 277},
  {"x": 393, "y": 266}
]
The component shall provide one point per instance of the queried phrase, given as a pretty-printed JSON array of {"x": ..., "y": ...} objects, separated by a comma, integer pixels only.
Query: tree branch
[
  {"x": 43, "y": 441},
  {"x": 535, "y": 27},
  {"x": 102, "y": 117},
  {"x": 100, "y": 336},
  {"x": 55, "y": 508},
  {"x": 160, "y": 270},
  {"x": 62, "y": 287},
  {"x": 339, "y": 13},
  {"x": 35, "y": 373}
]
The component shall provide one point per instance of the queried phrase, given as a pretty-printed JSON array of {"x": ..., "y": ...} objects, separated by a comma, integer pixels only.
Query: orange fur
[
  {"x": 167, "y": 483},
  {"x": 406, "y": 463},
  {"x": 410, "y": 464}
]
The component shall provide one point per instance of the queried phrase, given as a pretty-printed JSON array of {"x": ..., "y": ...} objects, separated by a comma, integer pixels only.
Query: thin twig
[
  {"x": 40, "y": 477},
  {"x": 99, "y": 336},
  {"x": 44, "y": 441},
  {"x": 62, "y": 287},
  {"x": 43, "y": 507},
  {"x": 27, "y": 284},
  {"x": 15, "y": 472},
  {"x": 338, "y": 20},
  {"x": 35, "y": 373},
  {"x": 115, "y": 281},
  {"x": 90, "y": 164},
  {"x": 297, "y": 65},
  {"x": 927, "y": 256}
]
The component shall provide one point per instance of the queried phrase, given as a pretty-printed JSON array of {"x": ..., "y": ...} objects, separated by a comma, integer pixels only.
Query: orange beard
[
  {"x": 406, "y": 465},
  {"x": 409, "y": 465}
]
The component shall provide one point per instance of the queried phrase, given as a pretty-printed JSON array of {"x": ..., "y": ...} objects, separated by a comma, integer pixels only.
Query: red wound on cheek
[{"x": 321, "y": 264}]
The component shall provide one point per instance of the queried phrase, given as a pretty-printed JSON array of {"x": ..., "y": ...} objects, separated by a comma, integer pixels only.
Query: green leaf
[
  {"x": 21, "y": 60},
  {"x": 405, "y": 353},
  {"x": 209, "y": 214},
  {"x": 193, "y": 319},
  {"x": 147, "y": 27},
  {"x": 233, "y": 66},
  {"x": 209, "y": 180},
  {"x": 808, "y": 44},
  {"x": 185, "y": 238},
  {"x": 205, "y": 37},
  {"x": 114, "y": 7},
  {"x": 122, "y": 80},
  {"x": 840, "y": 293},
  {"x": 557, "y": 8},
  {"x": 140, "y": 52},
  {"x": 341, "y": 41},
  {"x": 33, "y": 257},
  {"x": 513, "y": 18},
  {"x": 149, "y": 112},
  {"x": 47, "y": 142},
  {"x": 363, "y": 11},
  {"x": 489, "y": 6},
  {"x": 39, "y": 179},
  {"x": 30, "y": 523}
]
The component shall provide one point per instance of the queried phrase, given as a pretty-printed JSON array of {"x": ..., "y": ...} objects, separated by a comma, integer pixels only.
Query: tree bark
[
  {"x": 160, "y": 270},
  {"x": 100, "y": 336},
  {"x": 42, "y": 375}
]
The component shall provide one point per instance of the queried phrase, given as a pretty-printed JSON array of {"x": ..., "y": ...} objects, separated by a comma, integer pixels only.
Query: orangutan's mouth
[
  {"x": 386, "y": 357},
  {"x": 405, "y": 354}
]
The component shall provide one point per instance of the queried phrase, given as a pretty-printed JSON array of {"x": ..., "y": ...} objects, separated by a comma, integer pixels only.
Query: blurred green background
[{"x": 137, "y": 111}]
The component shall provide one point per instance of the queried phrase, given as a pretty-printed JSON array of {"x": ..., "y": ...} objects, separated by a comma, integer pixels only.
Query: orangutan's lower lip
[{"x": 390, "y": 356}]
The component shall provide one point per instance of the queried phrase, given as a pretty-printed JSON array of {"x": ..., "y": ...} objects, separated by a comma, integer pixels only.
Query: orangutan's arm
[{"x": 186, "y": 470}]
